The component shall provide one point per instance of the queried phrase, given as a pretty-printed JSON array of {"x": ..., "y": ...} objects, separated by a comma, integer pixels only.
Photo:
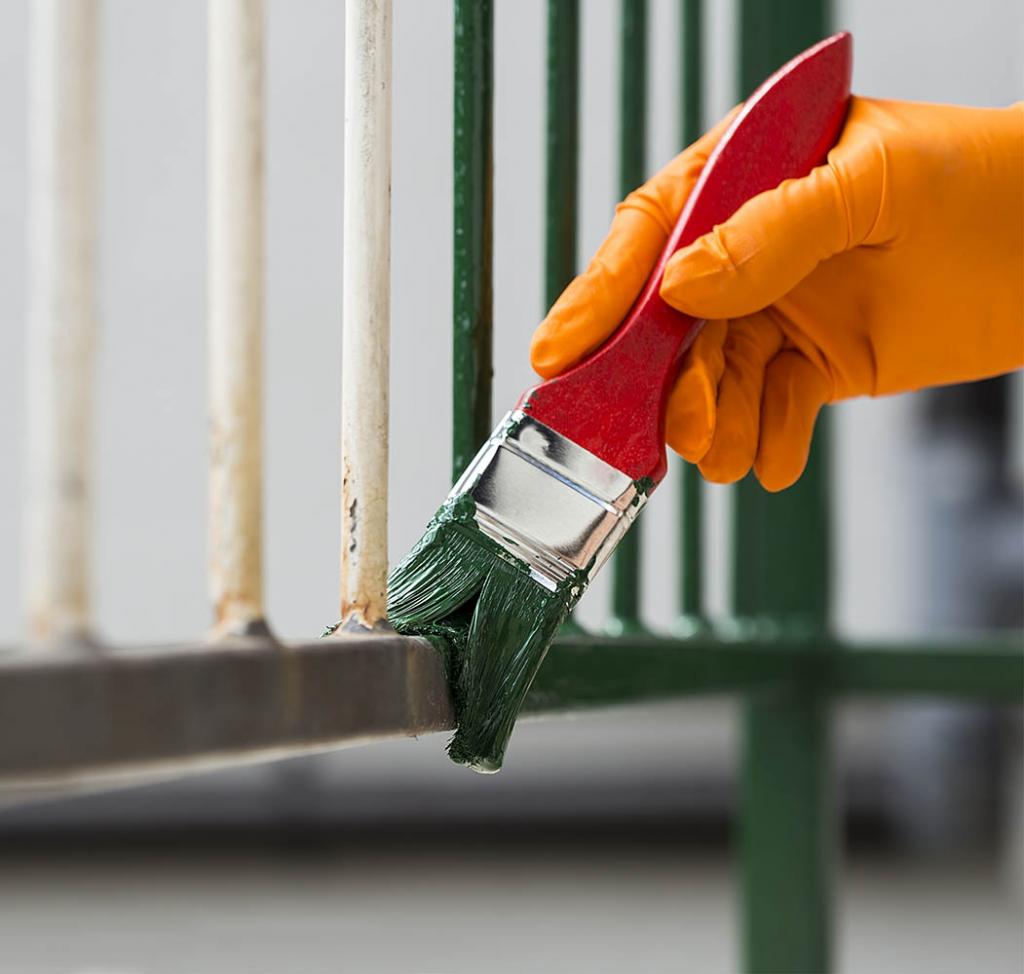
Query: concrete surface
[{"x": 388, "y": 905}]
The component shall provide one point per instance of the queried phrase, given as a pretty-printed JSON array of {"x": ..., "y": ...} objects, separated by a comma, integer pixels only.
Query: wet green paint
[
  {"x": 632, "y": 95},
  {"x": 627, "y": 560},
  {"x": 472, "y": 226},
  {"x": 491, "y": 621},
  {"x": 561, "y": 170},
  {"x": 691, "y": 71},
  {"x": 644, "y": 486}
]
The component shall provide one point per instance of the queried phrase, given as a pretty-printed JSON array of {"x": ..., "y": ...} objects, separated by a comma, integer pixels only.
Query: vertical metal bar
[
  {"x": 562, "y": 194},
  {"x": 787, "y": 833},
  {"x": 366, "y": 312},
  {"x": 62, "y": 316},
  {"x": 632, "y": 95},
  {"x": 781, "y": 571},
  {"x": 626, "y": 562},
  {"x": 561, "y": 200},
  {"x": 691, "y": 70},
  {"x": 770, "y": 33},
  {"x": 473, "y": 204},
  {"x": 235, "y": 331},
  {"x": 691, "y": 551},
  {"x": 691, "y": 555}
]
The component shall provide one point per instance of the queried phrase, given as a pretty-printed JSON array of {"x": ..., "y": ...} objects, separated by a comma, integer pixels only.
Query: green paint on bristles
[
  {"x": 643, "y": 486},
  {"x": 489, "y": 619}
]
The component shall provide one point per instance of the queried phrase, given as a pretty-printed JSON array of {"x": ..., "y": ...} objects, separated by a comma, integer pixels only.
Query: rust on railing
[
  {"x": 366, "y": 315},
  {"x": 235, "y": 334},
  {"x": 62, "y": 317}
]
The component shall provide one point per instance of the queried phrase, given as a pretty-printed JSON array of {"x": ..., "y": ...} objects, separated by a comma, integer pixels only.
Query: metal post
[
  {"x": 62, "y": 244},
  {"x": 691, "y": 558},
  {"x": 561, "y": 197},
  {"x": 366, "y": 314},
  {"x": 626, "y": 562},
  {"x": 235, "y": 334},
  {"x": 691, "y": 69},
  {"x": 782, "y": 571},
  {"x": 561, "y": 185},
  {"x": 473, "y": 160}
]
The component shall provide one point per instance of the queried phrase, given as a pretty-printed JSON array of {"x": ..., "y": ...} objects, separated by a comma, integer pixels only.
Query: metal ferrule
[{"x": 547, "y": 501}]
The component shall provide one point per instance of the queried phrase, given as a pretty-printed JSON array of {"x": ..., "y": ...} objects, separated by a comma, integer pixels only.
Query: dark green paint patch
[
  {"x": 472, "y": 228},
  {"x": 489, "y": 619},
  {"x": 644, "y": 486},
  {"x": 512, "y": 424}
]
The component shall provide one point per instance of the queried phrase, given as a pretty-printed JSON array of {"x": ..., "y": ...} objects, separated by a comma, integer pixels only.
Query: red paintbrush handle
[{"x": 613, "y": 403}]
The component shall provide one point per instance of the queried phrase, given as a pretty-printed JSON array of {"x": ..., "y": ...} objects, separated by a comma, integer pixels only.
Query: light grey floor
[{"x": 625, "y": 907}]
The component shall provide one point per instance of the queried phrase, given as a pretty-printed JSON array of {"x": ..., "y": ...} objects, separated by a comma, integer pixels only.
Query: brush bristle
[
  {"x": 513, "y": 623},
  {"x": 447, "y": 567},
  {"x": 493, "y": 622}
]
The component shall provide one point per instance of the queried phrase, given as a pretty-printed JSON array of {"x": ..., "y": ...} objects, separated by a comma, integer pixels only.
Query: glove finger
[
  {"x": 594, "y": 303},
  {"x": 692, "y": 403},
  {"x": 750, "y": 344},
  {"x": 794, "y": 392},
  {"x": 767, "y": 247}
]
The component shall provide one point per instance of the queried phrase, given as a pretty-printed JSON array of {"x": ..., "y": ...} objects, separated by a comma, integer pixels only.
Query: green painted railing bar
[
  {"x": 778, "y": 651},
  {"x": 782, "y": 571},
  {"x": 472, "y": 318},
  {"x": 987, "y": 667},
  {"x": 691, "y": 70},
  {"x": 561, "y": 187},
  {"x": 691, "y": 555},
  {"x": 583, "y": 671},
  {"x": 691, "y": 552},
  {"x": 626, "y": 561},
  {"x": 783, "y": 541},
  {"x": 561, "y": 184},
  {"x": 632, "y": 95},
  {"x": 786, "y": 834}
]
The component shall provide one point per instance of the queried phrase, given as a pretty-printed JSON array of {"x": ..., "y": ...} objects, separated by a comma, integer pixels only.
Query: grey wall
[{"x": 151, "y": 491}]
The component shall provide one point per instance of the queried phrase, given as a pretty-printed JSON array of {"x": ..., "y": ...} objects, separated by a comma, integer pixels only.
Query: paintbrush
[{"x": 564, "y": 475}]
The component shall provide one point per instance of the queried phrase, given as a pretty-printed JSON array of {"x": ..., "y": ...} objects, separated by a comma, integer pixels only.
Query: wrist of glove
[{"x": 899, "y": 264}]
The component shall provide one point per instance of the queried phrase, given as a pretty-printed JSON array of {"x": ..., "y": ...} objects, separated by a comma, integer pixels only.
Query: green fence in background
[{"x": 777, "y": 653}]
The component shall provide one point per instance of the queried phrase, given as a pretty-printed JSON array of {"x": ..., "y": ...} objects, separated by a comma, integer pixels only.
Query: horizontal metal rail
[
  {"x": 587, "y": 672},
  {"x": 82, "y": 716}
]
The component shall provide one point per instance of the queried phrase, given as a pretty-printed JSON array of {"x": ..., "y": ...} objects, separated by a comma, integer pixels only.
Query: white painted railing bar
[
  {"x": 366, "y": 311},
  {"x": 62, "y": 316},
  {"x": 235, "y": 327}
]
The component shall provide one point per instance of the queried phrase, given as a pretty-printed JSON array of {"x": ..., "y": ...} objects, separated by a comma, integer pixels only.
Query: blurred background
[{"x": 605, "y": 844}]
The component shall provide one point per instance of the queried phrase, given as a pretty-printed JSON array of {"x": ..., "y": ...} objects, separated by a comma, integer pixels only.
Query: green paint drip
[{"x": 490, "y": 620}]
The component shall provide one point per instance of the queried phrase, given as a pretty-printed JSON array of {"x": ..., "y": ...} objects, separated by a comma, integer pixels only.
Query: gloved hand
[{"x": 897, "y": 265}]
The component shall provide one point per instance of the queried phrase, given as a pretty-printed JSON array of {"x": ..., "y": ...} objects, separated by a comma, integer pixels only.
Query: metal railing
[{"x": 74, "y": 713}]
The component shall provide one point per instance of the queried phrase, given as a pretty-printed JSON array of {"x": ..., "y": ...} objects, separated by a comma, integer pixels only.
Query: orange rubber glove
[{"x": 897, "y": 265}]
